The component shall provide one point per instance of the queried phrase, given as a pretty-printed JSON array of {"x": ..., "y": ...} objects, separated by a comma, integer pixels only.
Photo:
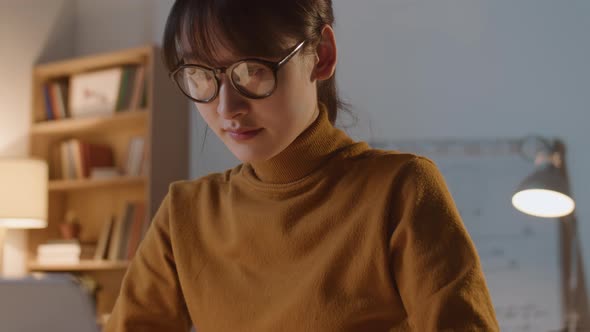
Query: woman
[{"x": 313, "y": 231}]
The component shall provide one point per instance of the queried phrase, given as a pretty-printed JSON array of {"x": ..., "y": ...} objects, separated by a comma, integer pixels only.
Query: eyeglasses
[{"x": 253, "y": 78}]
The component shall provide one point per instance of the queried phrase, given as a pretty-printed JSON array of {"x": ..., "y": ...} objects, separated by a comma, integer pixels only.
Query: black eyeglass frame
[{"x": 274, "y": 66}]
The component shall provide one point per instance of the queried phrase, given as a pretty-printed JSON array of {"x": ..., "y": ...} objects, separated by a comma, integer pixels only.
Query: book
[
  {"x": 65, "y": 171},
  {"x": 127, "y": 231},
  {"x": 53, "y": 100},
  {"x": 128, "y": 221},
  {"x": 59, "y": 252},
  {"x": 95, "y": 155},
  {"x": 56, "y": 251},
  {"x": 75, "y": 150},
  {"x": 135, "y": 156},
  {"x": 136, "y": 230},
  {"x": 115, "y": 238},
  {"x": 48, "y": 105},
  {"x": 70, "y": 160},
  {"x": 123, "y": 89},
  {"x": 59, "y": 248},
  {"x": 119, "y": 234},
  {"x": 103, "y": 240},
  {"x": 136, "y": 94},
  {"x": 62, "y": 242},
  {"x": 59, "y": 89},
  {"x": 58, "y": 260}
]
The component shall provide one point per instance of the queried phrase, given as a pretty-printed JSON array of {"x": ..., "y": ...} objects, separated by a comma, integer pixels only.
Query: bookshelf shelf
[
  {"x": 84, "y": 265},
  {"x": 96, "y": 61},
  {"x": 72, "y": 126},
  {"x": 69, "y": 185}
]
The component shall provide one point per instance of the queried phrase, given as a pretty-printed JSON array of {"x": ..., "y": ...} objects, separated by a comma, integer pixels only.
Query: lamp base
[{"x": 13, "y": 251}]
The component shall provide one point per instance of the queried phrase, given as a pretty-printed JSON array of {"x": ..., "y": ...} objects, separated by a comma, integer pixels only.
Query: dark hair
[{"x": 253, "y": 28}]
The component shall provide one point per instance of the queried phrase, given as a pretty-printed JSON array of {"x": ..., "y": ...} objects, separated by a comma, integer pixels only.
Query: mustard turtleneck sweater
[{"x": 327, "y": 236}]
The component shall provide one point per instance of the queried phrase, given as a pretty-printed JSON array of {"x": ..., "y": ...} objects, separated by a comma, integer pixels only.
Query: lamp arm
[{"x": 547, "y": 146}]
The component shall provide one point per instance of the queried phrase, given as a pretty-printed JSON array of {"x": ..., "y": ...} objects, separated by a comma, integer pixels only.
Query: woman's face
[{"x": 272, "y": 123}]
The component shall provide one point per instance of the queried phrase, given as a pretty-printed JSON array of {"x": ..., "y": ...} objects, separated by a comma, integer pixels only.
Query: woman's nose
[{"x": 231, "y": 103}]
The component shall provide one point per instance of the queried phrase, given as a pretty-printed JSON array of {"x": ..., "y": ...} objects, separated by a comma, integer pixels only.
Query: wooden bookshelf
[{"x": 162, "y": 122}]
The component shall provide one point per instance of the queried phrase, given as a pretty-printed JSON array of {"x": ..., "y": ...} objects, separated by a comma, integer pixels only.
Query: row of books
[
  {"x": 96, "y": 93},
  {"x": 80, "y": 159},
  {"x": 56, "y": 97},
  {"x": 120, "y": 236}
]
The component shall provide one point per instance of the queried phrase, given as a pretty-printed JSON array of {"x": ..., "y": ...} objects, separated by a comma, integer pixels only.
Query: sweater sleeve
[
  {"x": 434, "y": 262},
  {"x": 150, "y": 298}
]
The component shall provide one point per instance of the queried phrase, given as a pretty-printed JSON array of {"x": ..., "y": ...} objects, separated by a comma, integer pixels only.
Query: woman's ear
[{"x": 326, "y": 55}]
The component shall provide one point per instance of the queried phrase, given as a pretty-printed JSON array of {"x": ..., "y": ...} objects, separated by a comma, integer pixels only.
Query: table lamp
[
  {"x": 23, "y": 205},
  {"x": 546, "y": 193}
]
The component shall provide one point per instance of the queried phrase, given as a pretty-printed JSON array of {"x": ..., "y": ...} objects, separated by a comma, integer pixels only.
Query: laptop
[{"x": 50, "y": 303}]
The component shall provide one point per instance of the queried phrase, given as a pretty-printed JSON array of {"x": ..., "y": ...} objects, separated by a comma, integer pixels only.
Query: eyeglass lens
[{"x": 250, "y": 78}]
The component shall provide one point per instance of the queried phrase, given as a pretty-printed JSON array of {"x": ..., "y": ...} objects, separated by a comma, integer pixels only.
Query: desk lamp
[{"x": 546, "y": 193}]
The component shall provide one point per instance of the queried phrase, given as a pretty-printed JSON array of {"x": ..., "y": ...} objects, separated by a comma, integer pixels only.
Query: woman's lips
[{"x": 244, "y": 135}]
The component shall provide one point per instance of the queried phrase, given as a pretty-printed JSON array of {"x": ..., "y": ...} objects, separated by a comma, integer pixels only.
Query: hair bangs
[{"x": 199, "y": 31}]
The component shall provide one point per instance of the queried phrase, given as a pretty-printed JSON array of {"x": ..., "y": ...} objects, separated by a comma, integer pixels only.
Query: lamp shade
[
  {"x": 544, "y": 193},
  {"x": 23, "y": 193}
]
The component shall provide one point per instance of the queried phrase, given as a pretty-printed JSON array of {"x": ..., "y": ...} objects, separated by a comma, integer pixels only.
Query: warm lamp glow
[
  {"x": 23, "y": 193},
  {"x": 543, "y": 203},
  {"x": 23, "y": 223}
]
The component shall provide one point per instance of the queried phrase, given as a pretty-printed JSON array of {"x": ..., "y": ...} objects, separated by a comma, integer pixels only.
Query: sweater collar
[{"x": 306, "y": 153}]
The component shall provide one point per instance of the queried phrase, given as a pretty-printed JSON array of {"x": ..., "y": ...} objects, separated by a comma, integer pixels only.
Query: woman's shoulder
[
  {"x": 393, "y": 165},
  {"x": 393, "y": 159}
]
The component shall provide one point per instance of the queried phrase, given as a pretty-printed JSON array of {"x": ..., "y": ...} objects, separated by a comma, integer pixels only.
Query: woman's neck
[{"x": 307, "y": 152}]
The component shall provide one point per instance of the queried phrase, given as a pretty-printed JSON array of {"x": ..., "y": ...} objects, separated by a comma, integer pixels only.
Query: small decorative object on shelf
[{"x": 70, "y": 228}]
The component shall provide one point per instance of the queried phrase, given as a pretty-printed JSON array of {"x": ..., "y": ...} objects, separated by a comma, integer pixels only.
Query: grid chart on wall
[{"x": 519, "y": 253}]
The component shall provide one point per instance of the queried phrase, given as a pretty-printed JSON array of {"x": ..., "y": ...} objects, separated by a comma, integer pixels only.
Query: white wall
[
  {"x": 109, "y": 25},
  {"x": 466, "y": 68},
  {"x": 30, "y": 31}
]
